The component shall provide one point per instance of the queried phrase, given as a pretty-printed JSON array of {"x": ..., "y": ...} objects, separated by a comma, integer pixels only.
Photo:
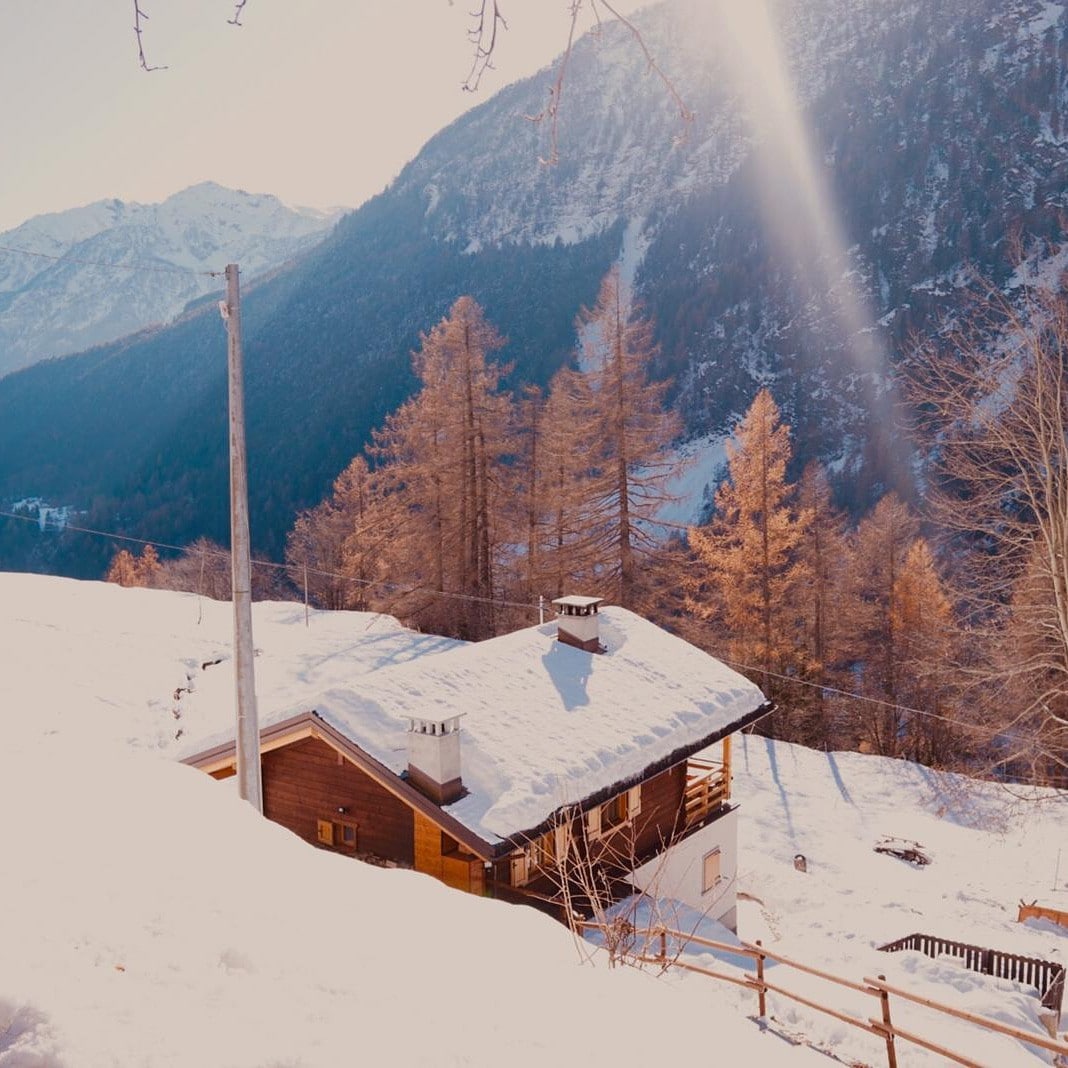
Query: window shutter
[
  {"x": 593, "y": 822},
  {"x": 562, "y": 836},
  {"x": 712, "y": 870},
  {"x": 325, "y": 832},
  {"x": 519, "y": 869},
  {"x": 634, "y": 801}
]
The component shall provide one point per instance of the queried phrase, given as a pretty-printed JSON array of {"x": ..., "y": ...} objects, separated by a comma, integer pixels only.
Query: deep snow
[{"x": 151, "y": 918}]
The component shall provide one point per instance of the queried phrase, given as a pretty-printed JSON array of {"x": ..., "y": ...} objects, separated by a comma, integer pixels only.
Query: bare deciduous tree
[{"x": 992, "y": 398}]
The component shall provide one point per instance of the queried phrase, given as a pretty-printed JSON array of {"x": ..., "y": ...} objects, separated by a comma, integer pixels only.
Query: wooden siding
[
  {"x": 656, "y": 824},
  {"x": 308, "y": 781},
  {"x": 439, "y": 855}
]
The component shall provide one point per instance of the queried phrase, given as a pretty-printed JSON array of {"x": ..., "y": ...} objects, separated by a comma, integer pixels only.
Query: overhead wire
[
  {"x": 222, "y": 553},
  {"x": 392, "y": 587}
]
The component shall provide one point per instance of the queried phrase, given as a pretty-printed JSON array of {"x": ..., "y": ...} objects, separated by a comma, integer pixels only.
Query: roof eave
[
  {"x": 675, "y": 757},
  {"x": 296, "y": 727}
]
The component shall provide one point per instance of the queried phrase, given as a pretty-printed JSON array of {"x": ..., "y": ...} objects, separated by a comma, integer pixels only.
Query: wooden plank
[
  {"x": 864, "y": 1025},
  {"x": 910, "y": 1036},
  {"x": 991, "y": 1025},
  {"x": 302, "y": 783},
  {"x": 686, "y": 966},
  {"x": 848, "y": 983}
]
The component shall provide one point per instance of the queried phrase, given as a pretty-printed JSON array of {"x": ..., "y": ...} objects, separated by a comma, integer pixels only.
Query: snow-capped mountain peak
[{"x": 56, "y": 302}]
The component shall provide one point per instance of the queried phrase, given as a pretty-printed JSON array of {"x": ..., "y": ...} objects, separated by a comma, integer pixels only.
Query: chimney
[
  {"x": 577, "y": 622},
  {"x": 434, "y": 757}
]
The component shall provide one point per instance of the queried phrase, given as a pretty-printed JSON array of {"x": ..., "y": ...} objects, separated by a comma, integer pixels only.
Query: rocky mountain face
[
  {"x": 853, "y": 167},
  {"x": 58, "y": 303}
]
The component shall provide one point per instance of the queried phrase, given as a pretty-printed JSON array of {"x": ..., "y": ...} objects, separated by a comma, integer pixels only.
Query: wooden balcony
[{"x": 707, "y": 789}]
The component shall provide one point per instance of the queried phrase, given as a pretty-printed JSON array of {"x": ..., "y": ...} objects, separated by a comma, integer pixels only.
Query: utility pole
[{"x": 249, "y": 784}]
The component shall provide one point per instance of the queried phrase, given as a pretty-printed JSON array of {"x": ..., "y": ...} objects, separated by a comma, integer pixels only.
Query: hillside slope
[
  {"x": 151, "y": 918},
  {"x": 797, "y": 239}
]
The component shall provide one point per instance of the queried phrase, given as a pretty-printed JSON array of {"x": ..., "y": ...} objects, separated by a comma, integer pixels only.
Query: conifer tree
[
  {"x": 123, "y": 569},
  {"x": 629, "y": 441},
  {"x": 148, "y": 567},
  {"x": 873, "y": 619},
  {"x": 924, "y": 628},
  {"x": 817, "y": 607},
  {"x": 570, "y": 552},
  {"x": 441, "y": 466},
  {"x": 748, "y": 572}
]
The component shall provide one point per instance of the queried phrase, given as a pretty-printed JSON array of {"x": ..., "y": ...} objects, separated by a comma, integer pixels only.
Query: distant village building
[{"x": 504, "y": 767}]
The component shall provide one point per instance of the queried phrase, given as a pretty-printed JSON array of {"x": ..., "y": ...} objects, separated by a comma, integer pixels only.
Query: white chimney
[
  {"x": 434, "y": 757},
  {"x": 577, "y": 622}
]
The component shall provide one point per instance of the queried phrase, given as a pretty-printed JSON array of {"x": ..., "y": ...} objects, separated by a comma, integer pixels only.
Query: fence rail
[
  {"x": 1046, "y": 976},
  {"x": 655, "y": 951}
]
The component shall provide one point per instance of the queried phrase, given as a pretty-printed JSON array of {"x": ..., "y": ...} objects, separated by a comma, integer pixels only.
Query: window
[
  {"x": 337, "y": 834},
  {"x": 712, "y": 873},
  {"x": 618, "y": 810},
  {"x": 542, "y": 851}
]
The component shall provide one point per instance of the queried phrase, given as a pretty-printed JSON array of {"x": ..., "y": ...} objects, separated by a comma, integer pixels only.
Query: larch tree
[
  {"x": 315, "y": 558},
  {"x": 570, "y": 555},
  {"x": 873, "y": 619},
  {"x": 748, "y": 571},
  {"x": 818, "y": 599},
  {"x": 123, "y": 569},
  {"x": 442, "y": 464},
  {"x": 628, "y": 443},
  {"x": 925, "y": 631}
]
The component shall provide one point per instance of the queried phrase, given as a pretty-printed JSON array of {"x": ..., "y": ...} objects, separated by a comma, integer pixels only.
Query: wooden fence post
[
  {"x": 762, "y": 991},
  {"x": 891, "y": 1052}
]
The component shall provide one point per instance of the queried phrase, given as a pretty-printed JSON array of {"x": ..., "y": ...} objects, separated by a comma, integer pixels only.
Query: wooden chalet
[{"x": 498, "y": 767}]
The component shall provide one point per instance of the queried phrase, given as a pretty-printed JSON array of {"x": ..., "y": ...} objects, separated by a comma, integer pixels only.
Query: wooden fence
[
  {"x": 655, "y": 951},
  {"x": 1042, "y": 912},
  {"x": 1046, "y": 976}
]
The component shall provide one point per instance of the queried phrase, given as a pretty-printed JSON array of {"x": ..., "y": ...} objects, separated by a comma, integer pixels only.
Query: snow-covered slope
[
  {"x": 149, "y": 917},
  {"x": 51, "y": 307}
]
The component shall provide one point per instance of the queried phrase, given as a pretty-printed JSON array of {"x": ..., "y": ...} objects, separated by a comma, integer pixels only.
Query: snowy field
[{"x": 150, "y": 918}]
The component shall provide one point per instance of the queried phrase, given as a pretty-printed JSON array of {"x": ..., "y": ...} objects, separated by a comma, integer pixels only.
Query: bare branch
[
  {"x": 552, "y": 110},
  {"x": 235, "y": 20},
  {"x": 140, "y": 16},
  {"x": 483, "y": 35},
  {"x": 684, "y": 112}
]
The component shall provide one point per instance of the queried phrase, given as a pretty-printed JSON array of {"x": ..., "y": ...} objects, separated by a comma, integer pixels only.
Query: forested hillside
[{"x": 933, "y": 137}]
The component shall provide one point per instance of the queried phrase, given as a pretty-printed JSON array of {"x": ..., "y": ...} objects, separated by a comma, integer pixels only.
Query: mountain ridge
[
  {"x": 935, "y": 135},
  {"x": 53, "y": 302}
]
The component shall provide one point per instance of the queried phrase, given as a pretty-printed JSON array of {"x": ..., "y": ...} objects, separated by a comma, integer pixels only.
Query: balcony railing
[{"x": 707, "y": 788}]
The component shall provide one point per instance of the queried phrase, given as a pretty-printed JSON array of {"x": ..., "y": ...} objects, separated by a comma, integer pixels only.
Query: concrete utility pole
[{"x": 249, "y": 783}]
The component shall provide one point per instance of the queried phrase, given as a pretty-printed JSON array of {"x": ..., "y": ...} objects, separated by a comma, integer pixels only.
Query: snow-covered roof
[
  {"x": 545, "y": 724},
  {"x": 575, "y": 601}
]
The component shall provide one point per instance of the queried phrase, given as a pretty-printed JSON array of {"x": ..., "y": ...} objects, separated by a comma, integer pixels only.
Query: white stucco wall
[{"x": 679, "y": 873}]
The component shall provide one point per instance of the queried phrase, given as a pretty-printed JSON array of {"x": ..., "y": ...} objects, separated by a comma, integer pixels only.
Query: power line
[
  {"x": 990, "y": 732},
  {"x": 392, "y": 587},
  {"x": 224, "y": 554},
  {"x": 159, "y": 269}
]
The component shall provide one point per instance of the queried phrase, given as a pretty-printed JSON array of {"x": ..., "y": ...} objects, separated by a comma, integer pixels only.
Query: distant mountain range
[
  {"x": 57, "y": 302},
  {"x": 936, "y": 139}
]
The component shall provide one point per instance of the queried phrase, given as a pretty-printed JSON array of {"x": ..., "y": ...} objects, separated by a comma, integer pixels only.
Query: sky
[{"x": 320, "y": 103}]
